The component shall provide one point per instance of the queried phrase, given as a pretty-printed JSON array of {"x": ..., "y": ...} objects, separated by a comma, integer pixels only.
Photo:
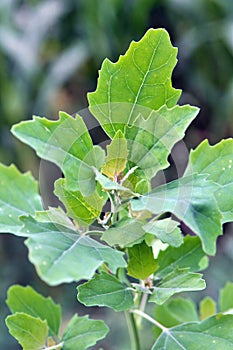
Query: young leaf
[
  {"x": 18, "y": 196},
  {"x": 207, "y": 308},
  {"x": 150, "y": 140},
  {"x": 125, "y": 233},
  {"x": 28, "y": 301},
  {"x": 81, "y": 333},
  {"x": 141, "y": 261},
  {"x": 226, "y": 298},
  {"x": 215, "y": 332},
  {"x": 109, "y": 185},
  {"x": 62, "y": 255},
  {"x": 105, "y": 290},
  {"x": 188, "y": 255},
  {"x": 166, "y": 230},
  {"x": 192, "y": 200},
  {"x": 116, "y": 156},
  {"x": 55, "y": 215},
  {"x": 142, "y": 77},
  {"x": 180, "y": 280},
  {"x": 67, "y": 143},
  {"x": 216, "y": 162},
  {"x": 84, "y": 210},
  {"x": 30, "y": 332}
]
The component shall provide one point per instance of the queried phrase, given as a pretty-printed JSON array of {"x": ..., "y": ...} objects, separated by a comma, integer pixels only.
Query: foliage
[{"x": 146, "y": 256}]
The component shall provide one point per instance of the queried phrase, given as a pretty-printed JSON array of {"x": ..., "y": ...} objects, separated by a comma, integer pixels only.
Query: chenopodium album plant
[{"x": 116, "y": 233}]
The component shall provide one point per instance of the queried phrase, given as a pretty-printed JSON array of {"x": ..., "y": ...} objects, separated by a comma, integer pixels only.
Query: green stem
[
  {"x": 133, "y": 331},
  {"x": 150, "y": 319}
]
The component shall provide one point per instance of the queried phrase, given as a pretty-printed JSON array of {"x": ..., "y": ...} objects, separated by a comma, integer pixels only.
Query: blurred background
[{"x": 50, "y": 53}]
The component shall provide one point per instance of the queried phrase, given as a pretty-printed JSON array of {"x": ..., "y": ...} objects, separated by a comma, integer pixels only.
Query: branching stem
[
  {"x": 133, "y": 331},
  {"x": 150, "y": 319}
]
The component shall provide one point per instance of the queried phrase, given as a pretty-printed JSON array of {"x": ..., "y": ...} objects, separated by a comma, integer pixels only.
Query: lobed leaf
[
  {"x": 27, "y": 300},
  {"x": 18, "y": 196},
  {"x": 214, "y": 332},
  {"x": 82, "y": 332},
  {"x": 84, "y": 210},
  {"x": 192, "y": 200},
  {"x": 30, "y": 332},
  {"x": 62, "y": 255},
  {"x": 142, "y": 77},
  {"x": 105, "y": 290},
  {"x": 217, "y": 163},
  {"x": 67, "y": 143},
  {"x": 180, "y": 280}
]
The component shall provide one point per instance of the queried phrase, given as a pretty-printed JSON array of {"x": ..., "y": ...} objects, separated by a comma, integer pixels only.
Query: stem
[
  {"x": 133, "y": 331},
  {"x": 57, "y": 346},
  {"x": 150, "y": 319}
]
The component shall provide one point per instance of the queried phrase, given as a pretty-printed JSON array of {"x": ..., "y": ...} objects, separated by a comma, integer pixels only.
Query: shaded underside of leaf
[
  {"x": 18, "y": 196},
  {"x": 105, "y": 290}
]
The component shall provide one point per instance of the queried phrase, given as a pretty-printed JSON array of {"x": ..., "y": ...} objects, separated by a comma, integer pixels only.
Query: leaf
[
  {"x": 166, "y": 230},
  {"x": 67, "y": 143},
  {"x": 150, "y": 140},
  {"x": 82, "y": 332},
  {"x": 176, "y": 311},
  {"x": 84, "y": 210},
  {"x": 124, "y": 233},
  {"x": 18, "y": 196},
  {"x": 188, "y": 255},
  {"x": 191, "y": 199},
  {"x": 141, "y": 261},
  {"x": 142, "y": 77},
  {"x": 214, "y": 333},
  {"x": 62, "y": 255},
  {"x": 207, "y": 308},
  {"x": 216, "y": 162},
  {"x": 226, "y": 298},
  {"x": 116, "y": 156},
  {"x": 105, "y": 290},
  {"x": 109, "y": 185},
  {"x": 26, "y": 300},
  {"x": 180, "y": 280},
  {"x": 30, "y": 332},
  {"x": 56, "y": 216}
]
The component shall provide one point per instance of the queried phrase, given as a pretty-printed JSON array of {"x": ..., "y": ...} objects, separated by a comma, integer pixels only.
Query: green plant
[{"x": 118, "y": 233}]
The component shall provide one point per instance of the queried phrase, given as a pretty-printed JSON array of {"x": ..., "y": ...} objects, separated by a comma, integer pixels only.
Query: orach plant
[{"x": 118, "y": 232}]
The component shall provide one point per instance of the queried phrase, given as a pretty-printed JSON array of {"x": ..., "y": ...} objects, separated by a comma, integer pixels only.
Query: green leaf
[
  {"x": 150, "y": 140},
  {"x": 180, "y": 280},
  {"x": 81, "y": 333},
  {"x": 214, "y": 333},
  {"x": 124, "y": 233},
  {"x": 166, "y": 230},
  {"x": 141, "y": 261},
  {"x": 116, "y": 156},
  {"x": 18, "y": 196},
  {"x": 226, "y": 298},
  {"x": 84, "y": 210},
  {"x": 67, "y": 143},
  {"x": 62, "y": 255},
  {"x": 216, "y": 162},
  {"x": 28, "y": 301},
  {"x": 207, "y": 308},
  {"x": 191, "y": 199},
  {"x": 188, "y": 255},
  {"x": 176, "y": 311},
  {"x": 105, "y": 290},
  {"x": 30, "y": 332},
  {"x": 142, "y": 77},
  {"x": 110, "y": 185},
  {"x": 56, "y": 216}
]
